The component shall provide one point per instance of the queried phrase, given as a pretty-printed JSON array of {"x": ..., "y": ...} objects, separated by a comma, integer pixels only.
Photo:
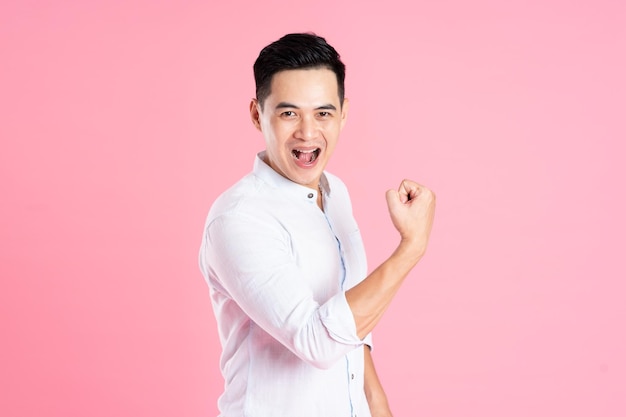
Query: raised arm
[{"x": 412, "y": 209}]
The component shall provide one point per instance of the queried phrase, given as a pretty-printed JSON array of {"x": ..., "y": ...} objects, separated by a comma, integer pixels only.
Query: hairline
[{"x": 306, "y": 68}]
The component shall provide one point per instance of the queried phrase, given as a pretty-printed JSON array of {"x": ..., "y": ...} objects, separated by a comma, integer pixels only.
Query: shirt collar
[{"x": 267, "y": 174}]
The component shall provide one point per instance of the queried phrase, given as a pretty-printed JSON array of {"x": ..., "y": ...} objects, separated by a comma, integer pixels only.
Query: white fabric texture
[{"x": 277, "y": 268}]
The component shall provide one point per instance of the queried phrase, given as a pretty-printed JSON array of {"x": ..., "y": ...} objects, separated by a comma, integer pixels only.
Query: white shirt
[{"x": 277, "y": 268}]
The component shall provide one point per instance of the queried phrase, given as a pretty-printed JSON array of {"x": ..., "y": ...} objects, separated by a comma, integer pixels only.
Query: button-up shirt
[{"x": 277, "y": 268}]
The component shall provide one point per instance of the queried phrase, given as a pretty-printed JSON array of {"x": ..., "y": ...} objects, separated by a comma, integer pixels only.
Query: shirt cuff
[{"x": 367, "y": 340}]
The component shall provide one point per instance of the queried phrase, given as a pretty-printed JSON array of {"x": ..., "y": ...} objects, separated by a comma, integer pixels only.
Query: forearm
[
  {"x": 411, "y": 209},
  {"x": 370, "y": 298}
]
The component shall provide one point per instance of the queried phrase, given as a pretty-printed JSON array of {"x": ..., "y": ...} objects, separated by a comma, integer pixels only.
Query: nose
[{"x": 307, "y": 128}]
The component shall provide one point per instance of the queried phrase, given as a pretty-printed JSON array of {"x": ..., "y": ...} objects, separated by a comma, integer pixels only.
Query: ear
[
  {"x": 344, "y": 111},
  {"x": 255, "y": 113}
]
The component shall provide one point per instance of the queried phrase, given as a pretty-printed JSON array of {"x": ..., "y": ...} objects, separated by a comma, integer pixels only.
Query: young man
[{"x": 283, "y": 256}]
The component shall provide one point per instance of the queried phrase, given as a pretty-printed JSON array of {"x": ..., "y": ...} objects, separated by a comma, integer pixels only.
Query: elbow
[{"x": 323, "y": 338}]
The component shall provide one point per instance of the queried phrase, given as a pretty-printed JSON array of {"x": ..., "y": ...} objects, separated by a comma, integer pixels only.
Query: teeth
[{"x": 297, "y": 154}]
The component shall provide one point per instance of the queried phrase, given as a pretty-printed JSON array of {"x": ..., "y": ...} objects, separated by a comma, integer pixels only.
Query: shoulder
[
  {"x": 248, "y": 201},
  {"x": 235, "y": 196}
]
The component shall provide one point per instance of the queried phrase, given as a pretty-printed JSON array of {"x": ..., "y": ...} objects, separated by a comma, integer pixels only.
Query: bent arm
[
  {"x": 412, "y": 210},
  {"x": 257, "y": 273}
]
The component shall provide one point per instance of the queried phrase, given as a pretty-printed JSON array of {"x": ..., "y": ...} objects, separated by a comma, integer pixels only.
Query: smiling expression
[{"x": 300, "y": 120}]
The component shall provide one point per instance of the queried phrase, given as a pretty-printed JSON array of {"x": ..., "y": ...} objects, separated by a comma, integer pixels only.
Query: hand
[{"x": 412, "y": 210}]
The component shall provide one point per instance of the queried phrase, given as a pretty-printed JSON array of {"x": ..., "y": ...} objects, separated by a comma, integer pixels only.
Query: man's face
[{"x": 300, "y": 121}]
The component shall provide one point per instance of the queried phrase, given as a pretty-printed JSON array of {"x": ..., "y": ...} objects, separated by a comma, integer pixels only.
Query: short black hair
[{"x": 296, "y": 51}]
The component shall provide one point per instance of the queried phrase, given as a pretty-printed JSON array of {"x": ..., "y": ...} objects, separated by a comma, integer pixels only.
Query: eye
[
  {"x": 288, "y": 113},
  {"x": 324, "y": 114}
]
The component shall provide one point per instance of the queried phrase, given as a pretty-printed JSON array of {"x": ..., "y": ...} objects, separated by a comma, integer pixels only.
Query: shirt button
[
  {"x": 352, "y": 376},
  {"x": 310, "y": 195}
]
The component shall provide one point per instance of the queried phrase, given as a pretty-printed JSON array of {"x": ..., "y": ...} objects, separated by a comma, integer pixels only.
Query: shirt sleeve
[{"x": 250, "y": 258}]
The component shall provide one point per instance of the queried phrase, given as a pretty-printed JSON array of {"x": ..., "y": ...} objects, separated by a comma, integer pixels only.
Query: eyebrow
[{"x": 286, "y": 105}]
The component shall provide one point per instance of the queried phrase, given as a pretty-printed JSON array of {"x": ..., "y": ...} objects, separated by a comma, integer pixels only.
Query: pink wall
[{"x": 120, "y": 122}]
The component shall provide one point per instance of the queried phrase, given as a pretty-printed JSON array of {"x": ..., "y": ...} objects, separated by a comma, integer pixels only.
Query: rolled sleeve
[{"x": 339, "y": 320}]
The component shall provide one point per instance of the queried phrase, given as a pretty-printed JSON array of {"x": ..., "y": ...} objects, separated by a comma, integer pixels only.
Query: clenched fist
[{"x": 412, "y": 210}]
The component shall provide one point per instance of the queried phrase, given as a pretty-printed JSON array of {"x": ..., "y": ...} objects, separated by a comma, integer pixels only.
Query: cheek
[
  {"x": 332, "y": 132},
  {"x": 279, "y": 130}
]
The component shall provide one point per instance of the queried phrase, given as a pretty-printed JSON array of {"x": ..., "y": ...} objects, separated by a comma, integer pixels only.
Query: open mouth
[{"x": 306, "y": 156}]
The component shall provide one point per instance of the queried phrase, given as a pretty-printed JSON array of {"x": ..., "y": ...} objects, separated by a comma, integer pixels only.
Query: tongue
[{"x": 306, "y": 157}]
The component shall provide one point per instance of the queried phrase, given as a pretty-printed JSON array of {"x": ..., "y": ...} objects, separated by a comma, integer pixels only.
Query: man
[{"x": 283, "y": 256}]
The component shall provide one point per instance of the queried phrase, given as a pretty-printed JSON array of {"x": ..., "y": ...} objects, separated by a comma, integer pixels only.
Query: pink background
[{"x": 122, "y": 121}]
